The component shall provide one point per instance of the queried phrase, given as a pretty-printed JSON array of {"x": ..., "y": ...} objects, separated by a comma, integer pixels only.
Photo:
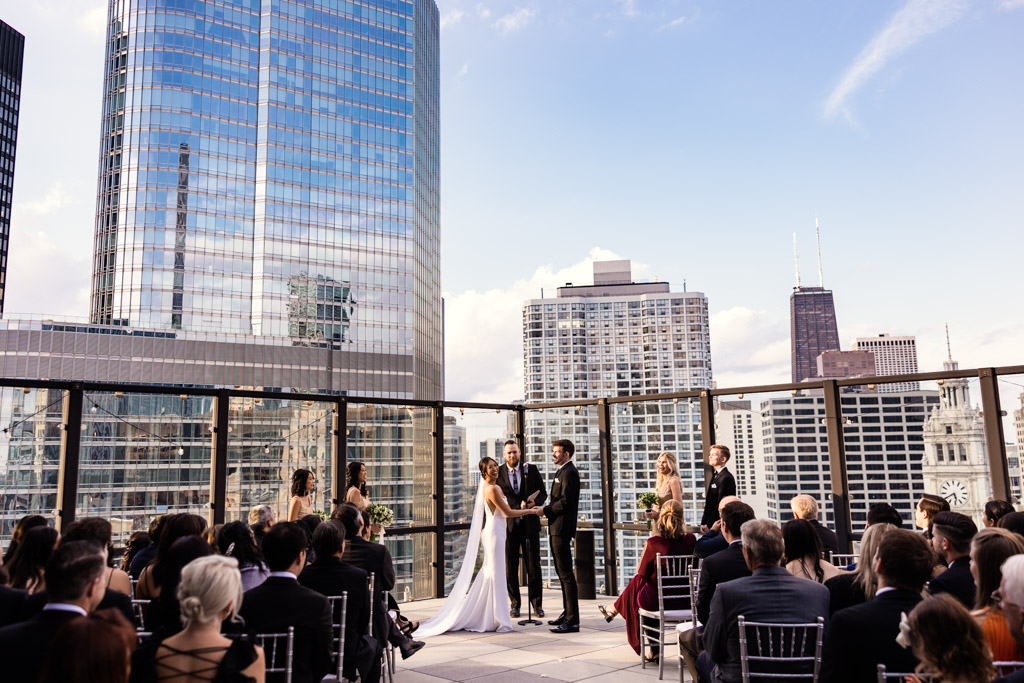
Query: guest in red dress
[{"x": 671, "y": 538}]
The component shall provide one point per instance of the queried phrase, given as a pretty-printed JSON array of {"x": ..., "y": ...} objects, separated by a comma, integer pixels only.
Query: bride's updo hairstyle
[
  {"x": 208, "y": 585},
  {"x": 485, "y": 462},
  {"x": 670, "y": 520}
]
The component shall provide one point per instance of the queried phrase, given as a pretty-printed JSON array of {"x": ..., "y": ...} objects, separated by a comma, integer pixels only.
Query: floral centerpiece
[
  {"x": 645, "y": 501},
  {"x": 380, "y": 515}
]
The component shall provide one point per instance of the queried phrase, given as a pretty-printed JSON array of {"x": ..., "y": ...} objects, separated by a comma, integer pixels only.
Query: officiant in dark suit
[
  {"x": 523, "y": 488},
  {"x": 562, "y": 513}
]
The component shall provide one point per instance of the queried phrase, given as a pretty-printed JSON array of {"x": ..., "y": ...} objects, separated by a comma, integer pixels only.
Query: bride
[{"x": 485, "y": 606}]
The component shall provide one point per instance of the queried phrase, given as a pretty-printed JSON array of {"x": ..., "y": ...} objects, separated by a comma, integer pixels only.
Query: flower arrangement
[
  {"x": 381, "y": 514},
  {"x": 324, "y": 516}
]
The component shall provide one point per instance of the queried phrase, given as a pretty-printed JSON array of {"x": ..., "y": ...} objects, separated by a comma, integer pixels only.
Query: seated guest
[
  {"x": 310, "y": 523},
  {"x": 12, "y": 605},
  {"x": 670, "y": 538},
  {"x": 995, "y": 510},
  {"x": 374, "y": 558},
  {"x": 236, "y": 540},
  {"x": 1011, "y": 601},
  {"x": 803, "y": 552},
  {"x": 853, "y": 588},
  {"x": 22, "y": 527},
  {"x": 210, "y": 593},
  {"x": 929, "y": 506},
  {"x": 75, "y": 587},
  {"x": 27, "y": 568},
  {"x": 280, "y": 602},
  {"x": 261, "y": 518},
  {"x": 948, "y": 641},
  {"x": 135, "y": 544},
  {"x": 147, "y": 554},
  {"x": 951, "y": 539},
  {"x": 883, "y": 513},
  {"x": 1012, "y": 521},
  {"x": 99, "y": 532},
  {"x": 329, "y": 575},
  {"x": 173, "y": 528},
  {"x": 95, "y": 649},
  {"x": 769, "y": 594},
  {"x": 863, "y": 636},
  {"x": 713, "y": 541},
  {"x": 717, "y": 569},
  {"x": 164, "y": 613},
  {"x": 366, "y": 533},
  {"x": 989, "y": 549},
  {"x": 806, "y": 508}
]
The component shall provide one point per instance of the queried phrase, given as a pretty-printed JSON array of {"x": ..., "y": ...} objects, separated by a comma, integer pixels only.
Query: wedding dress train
[{"x": 484, "y": 606}]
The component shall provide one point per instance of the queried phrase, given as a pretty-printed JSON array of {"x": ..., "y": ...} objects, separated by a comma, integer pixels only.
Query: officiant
[{"x": 523, "y": 488}]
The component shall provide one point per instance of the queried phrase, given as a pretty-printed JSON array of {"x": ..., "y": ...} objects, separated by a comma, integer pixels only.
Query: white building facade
[{"x": 893, "y": 356}]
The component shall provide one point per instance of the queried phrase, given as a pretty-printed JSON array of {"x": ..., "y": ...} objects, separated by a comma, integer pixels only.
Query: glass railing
[{"x": 129, "y": 453}]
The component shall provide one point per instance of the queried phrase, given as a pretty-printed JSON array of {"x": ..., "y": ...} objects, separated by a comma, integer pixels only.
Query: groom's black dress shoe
[
  {"x": 566, "y": 628},
  {"x": 514, "y": 613},
  {"x": 559, "y": 621}
]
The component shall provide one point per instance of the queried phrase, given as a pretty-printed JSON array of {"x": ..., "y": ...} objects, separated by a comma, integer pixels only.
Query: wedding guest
[
  {"x": 668, "y": 485},
  {"x": 12, "y": 605},
  {"x": 721, "y": 484},
  {"x": 210, "y": 593},
  {"x": 236, "y": 540},
  {"x": 803, "y": 552},
  {"x": 989, "y": 549},
  {"x": 806, "y": 508},
  {"x": 357, "y": 493},
  {"x": 261, "y": 518},
  {"x": 1012, "y": 521},
  {"x": 99, "y": 532},
  {"x": 147, "y": 554},
  {"x": 713, "y": 540},
  {"x": 303, "y": 483},
  {"x": 310, "y": 524},
  {"x": 995, "y": 510},
  {"x": 671, "y": 538},
  {"x": 95, "y": 649},
  {"x": 858, "y": 586},
  {"x": 172, "y": 528},
  {"x": 164, "y": 612},
  {"x": 883, "y": 513},
  {"x": 210, "y": 536},
  {"x": 22, "y": 527},
  {"x": 74, "y": 573},
  {"x": 929, "y": 506},
  {"x": 948, "y": 641},
  {"x": 136, "y": 543},
  {"x": 951, "y": 536},
  {"x": 27, "y": 568}
]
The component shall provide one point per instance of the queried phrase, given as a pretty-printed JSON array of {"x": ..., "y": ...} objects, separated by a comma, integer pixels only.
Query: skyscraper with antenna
[{"x": 812, "y": 316}]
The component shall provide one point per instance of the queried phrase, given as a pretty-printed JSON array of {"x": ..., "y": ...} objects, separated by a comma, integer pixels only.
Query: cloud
[
  {"x": 54, "y": 199},
  {"x": 63, "y": 292},
  {"x": 515, "y": 21},
  {"x": 94, "y": 20},
  {"x": 483, "y": 12},
  {"x": 464, "y": 70},
  {"x": 674, "y": 24},
  {"x": 1011, "y": 4},
  {"x": 451, "y": 18},
  {"x": 484, "y": 330},
  {"x": 913, "y": 22},
  {"x": 628, "y": 7},
  {"x": 749, "y": 347}
]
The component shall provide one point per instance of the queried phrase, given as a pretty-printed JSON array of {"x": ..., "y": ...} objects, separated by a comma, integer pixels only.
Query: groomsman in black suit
[
  {"x": 562, "y": 513},
  {"x": 523, "y": 487},
  {"x": 721, "y": 485}
]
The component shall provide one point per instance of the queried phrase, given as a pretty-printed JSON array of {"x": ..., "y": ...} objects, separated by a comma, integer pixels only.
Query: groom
[
  {"x": 562, "y": 512},
  {"x": 523, "y": 488}
]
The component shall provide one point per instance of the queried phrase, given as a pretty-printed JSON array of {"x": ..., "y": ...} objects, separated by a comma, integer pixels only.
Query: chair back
[
  {"x": 694, "y": 584},
  {"x": 139, "y": 608},
  {"x": 887, "y": 677},
  {"x": 373, "y": 600},
  {"x": 780, "y": 650},
  {"x": 1006, "y": 668},
  {"x": 842, "y": 560},
  {"x": 673, "y": 582},
  {"x": 134, "y": 583},
  {"x": 339, "y": 608},
  {"x": 278, "y": 648}
]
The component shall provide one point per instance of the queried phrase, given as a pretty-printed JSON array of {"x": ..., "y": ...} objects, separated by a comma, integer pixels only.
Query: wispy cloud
[
  {"x": 913, "y": 22},
  {"x": 483, "y": 12},
  {"x": 1011, "y": 4},
  {"x": 464, "y": 70},
  {"x": 515, "y": 21},
  {"x": 628, "y": 7},
  {"x": 451, "y": 18},
  {"x": 54, "y": 199},
  {"x": 676, "y": 23}
]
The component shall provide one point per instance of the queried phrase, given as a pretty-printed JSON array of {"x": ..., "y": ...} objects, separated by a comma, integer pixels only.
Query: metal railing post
[
  {"x": 339, "y": 451},
  {"x": 520, "y": 435},
  {"x": 604, "y": 428},
  {"x": 995, "y": 440},
  {"x": 219, "y": 454},
  {"x": 837, "y": 463},
  {"x": 438, "y": 498},
  {"x": 707, "y": 432},
  {"x": 70, "y": 455}
]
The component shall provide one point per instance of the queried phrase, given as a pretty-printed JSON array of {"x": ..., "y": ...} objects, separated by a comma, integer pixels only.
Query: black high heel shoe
[{"x": 604, "y": 613}]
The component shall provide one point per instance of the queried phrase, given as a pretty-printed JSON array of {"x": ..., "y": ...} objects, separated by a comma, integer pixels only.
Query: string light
[{"x": 11, "y": 426}]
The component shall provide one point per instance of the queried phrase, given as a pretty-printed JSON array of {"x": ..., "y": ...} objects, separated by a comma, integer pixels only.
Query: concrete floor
[{"x": 598, "y": 653}]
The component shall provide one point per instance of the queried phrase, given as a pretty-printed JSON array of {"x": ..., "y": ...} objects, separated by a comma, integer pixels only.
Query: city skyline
[{"x": 925, "y": 170}]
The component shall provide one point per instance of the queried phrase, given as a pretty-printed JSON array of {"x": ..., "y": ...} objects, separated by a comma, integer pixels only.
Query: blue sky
[{"x": 691, "y": 137}]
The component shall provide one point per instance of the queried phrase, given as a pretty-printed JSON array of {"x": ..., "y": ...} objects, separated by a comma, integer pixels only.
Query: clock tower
[{"x": 954, "y": 464}]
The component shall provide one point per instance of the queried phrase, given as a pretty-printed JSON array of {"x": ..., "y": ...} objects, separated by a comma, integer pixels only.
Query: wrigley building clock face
[{"x": 955, "y": 492}]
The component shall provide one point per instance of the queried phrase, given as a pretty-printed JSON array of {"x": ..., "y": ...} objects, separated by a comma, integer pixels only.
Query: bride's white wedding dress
[{"x": 484, "y": 606}]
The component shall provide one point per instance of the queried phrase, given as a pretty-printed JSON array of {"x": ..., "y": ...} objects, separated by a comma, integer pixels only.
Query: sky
[{"x": 692, "y": 137}]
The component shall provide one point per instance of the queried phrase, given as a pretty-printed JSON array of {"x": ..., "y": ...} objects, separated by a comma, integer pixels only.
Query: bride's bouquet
[
  {"x": 645, "y": 501},
  {"x": 381, "y": 515}
]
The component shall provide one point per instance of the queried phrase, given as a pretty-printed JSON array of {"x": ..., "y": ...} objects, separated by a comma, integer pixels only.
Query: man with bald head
[{"x": 713, "y": 541}]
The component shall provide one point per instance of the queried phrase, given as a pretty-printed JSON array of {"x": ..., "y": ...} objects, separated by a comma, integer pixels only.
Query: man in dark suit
[
  {"x": 329, "y": 575},
  {"x": 770, "y": 594},
  {"x": 863, "y": 636},
  {"x": 374, "y": 558},
  {"x": 523, "y": 487},
  {"x": 74, "y": 579},
  {"x": 562, "y": 513},
  {"x": 280, "y": 602},
  {"x": 806, "y": 508},
  {"x": 721, "y": 485},
  {"x": 1011, "y": 602},
  {"x": 12, "y": 605},
  {"x": 951, "y": 538},
  {"x": 712, "y": 541},
  {"x": 724, "y": 566}
]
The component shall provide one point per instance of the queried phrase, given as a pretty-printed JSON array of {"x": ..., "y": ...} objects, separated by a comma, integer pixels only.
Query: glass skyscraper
[
  {"x": 12, "y": 53},
  {"x": 270, "y": 167},
  {"x": 813, "y": 329}
]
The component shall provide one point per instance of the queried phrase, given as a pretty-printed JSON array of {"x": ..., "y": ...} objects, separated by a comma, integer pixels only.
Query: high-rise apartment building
[
  {"x": 893, "y": 356},
  {"x": 738, "y": 427},
  {"x": 12, "y": 54},
  {"x": 619, "y": 338},
  {"x": 813, "y": 329}
]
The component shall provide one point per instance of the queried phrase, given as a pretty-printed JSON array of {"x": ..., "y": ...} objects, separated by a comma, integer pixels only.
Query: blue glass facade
[
  {"x": 270, "y": 167},
  {"x": 12, "y": 54}
]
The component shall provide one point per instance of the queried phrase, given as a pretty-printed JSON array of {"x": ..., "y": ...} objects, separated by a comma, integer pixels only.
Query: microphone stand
[{"x": 529, "y": 603}]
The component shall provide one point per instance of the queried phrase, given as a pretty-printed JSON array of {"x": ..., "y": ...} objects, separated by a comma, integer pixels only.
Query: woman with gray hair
[{"x": 210, "y": 592}]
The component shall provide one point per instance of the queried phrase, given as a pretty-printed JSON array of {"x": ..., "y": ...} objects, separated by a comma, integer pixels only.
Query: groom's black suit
[
  {"x": 562, "y": 513},
  {"x": 521, "y": 529}
]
